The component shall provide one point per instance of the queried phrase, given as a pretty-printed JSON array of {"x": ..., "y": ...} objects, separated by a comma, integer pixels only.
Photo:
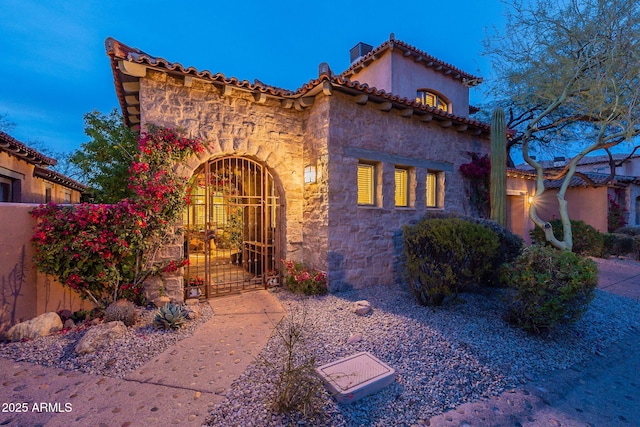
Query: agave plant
[{"x": 171, "y": 316}]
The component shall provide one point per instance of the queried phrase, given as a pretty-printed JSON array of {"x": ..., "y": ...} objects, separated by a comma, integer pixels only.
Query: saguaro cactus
[{"x": 498, "y": 193}]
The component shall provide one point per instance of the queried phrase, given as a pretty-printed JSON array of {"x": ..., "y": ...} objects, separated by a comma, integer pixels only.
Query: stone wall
[
  {"x": 236, "y": 124},
  {"x": 365, "y": 243}
]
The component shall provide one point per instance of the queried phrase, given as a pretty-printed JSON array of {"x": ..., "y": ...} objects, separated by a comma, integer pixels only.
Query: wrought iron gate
[{"x": 231, "y": 223}]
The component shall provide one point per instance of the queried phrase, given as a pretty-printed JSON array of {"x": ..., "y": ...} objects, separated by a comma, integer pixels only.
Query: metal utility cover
[{"x": 354, "y": 377}]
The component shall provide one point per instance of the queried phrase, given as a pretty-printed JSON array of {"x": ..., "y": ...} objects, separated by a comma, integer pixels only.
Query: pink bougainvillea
[{"x": 105, "y": 252}]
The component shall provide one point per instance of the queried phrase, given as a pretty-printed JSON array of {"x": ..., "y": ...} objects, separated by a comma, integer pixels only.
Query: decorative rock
[
  {"x": 192, "y": 301},
  {"x": 160, "y": 301},
  {"x": 100, "y": 336},
  {"x": 193, "y": 311},
  {"x": 68, "y": 324},
  {"x": 361, "y": 307},
  {"x": 354, "y": 338},
  {"x": 40, "y": 326}
]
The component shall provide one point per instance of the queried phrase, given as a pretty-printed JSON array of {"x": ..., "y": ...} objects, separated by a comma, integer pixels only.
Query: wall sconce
[
  {"x": 531, "y": 199},
  {"x": 310, "y": 174}
]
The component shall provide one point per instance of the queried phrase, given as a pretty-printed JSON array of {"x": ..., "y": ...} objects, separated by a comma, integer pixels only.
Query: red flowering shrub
[
  {"x": 300, "y": 279},
  {"x": 105, "y": 252},
  {"x": 478, "y": 174},
  {"x": 617, "y": 217}
]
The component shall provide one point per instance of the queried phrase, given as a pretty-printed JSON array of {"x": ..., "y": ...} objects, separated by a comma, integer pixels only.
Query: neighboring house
[
  {"x": 25, "y": 176},
  {"x": 587, "y": 197},
  {"x": 25, "y": 182},
  {"x": 327, "y": 175}
]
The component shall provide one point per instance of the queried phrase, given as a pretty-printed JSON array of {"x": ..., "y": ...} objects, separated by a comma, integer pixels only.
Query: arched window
[{"x": 433, "y": 99}]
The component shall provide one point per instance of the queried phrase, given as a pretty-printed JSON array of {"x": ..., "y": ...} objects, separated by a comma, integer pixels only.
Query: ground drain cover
[{"x": 354, "y": 377}]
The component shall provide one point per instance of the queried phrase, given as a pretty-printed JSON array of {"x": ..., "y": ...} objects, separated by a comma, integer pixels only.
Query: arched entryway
[{"x": 231, "y": 227}]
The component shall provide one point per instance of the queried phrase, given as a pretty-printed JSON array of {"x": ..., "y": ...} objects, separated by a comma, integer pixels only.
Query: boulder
[
  {"x": 193, "y": 311},
  {"x": 361, "y": 307},
  {"x": 160, "y": 301},
  {"x": 40, "y": 326},
  {"x": 99, "y": 336},
  {"x": 69, "y": 324}
]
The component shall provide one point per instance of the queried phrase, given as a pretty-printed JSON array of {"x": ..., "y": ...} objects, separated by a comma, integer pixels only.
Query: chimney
[
  {"x": 359, "y": 50},
  {"x": 559, "y": 162}
]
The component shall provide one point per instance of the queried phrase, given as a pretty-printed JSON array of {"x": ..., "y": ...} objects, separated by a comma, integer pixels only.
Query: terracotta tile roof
[
  {"x": 18, "y": 149},
  {"x": 418, "y": 55},
  {"x": 599, "y": 179},
  {"x": 57, "y": 177},
  {"x": 121, "y": 55}
]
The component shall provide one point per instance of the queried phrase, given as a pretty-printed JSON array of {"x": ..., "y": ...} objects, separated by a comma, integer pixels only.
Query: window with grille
[
  {"x": 432, "y": 187},
  {"x": 402, "y": 192},
  {"x": 366, "y": 184},
  {"x": 432, "y": 99}
]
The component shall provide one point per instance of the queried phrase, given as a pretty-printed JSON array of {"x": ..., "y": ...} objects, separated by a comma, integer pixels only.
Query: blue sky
[{"x": 55, "y": 68}]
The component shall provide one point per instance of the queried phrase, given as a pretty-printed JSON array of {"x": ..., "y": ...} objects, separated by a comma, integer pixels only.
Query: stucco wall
[
  {"x": 25, "y": 293},
  {"x": 32, "y": 189},
  {"x": 403, "y": 77},
  {"x": 365, "y": 243}
]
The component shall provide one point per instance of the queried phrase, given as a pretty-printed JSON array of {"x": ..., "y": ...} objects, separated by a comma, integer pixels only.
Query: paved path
[{"x": 178, "y": 387}]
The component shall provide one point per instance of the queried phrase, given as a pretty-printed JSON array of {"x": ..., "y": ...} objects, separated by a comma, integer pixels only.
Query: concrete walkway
[{"x": 178, "y": 387}]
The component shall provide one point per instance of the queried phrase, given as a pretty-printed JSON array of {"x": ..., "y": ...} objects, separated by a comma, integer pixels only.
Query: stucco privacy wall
[
  {"x": 365, "y": 243},
  {"x": 25, "y": 293},
  {"x": 235, "y": 124}
]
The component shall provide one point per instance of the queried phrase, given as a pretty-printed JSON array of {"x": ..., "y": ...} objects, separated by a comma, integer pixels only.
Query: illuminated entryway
[{"x": 231, "y": 228}]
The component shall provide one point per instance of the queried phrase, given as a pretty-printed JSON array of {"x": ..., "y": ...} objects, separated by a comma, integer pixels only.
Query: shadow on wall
[
  {"x": 336, "y": 276},
  {"x": 10, "y": 291}
]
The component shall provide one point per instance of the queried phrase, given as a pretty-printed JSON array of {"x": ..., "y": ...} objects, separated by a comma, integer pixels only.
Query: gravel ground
[
  {"x": 443, "y": 357},
  {"x": 140, "y": 344}
]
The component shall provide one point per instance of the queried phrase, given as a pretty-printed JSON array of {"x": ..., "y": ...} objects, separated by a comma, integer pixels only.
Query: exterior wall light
[
  {"x": 310, "y": 174},
  {"x": 531, "y": 199}
]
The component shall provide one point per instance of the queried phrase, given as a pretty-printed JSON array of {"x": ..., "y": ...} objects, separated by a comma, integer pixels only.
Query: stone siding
[
  {"x": 322, "y": 224},
  {"x": 365, "y": 243},
  {"x": 237, "y": 125}
]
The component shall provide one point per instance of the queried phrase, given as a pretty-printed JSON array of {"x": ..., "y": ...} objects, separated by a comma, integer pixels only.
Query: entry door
[{"x": 231, "y": 228}]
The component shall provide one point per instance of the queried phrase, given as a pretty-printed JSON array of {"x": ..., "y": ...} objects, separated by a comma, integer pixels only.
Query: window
[
  {"x": 432, "y": 186},
  {"x": 366, "y": 184},
  {"x": 402, "y": 193},
  {"x": 5, "y": 190},
  {"x": 432, "y": 99},
  {"x": 47, "y": 194},
  {"x": 67, "y": 196}
]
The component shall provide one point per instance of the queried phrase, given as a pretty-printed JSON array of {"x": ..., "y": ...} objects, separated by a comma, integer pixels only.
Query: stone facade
[{"x": 330, "y": 124}]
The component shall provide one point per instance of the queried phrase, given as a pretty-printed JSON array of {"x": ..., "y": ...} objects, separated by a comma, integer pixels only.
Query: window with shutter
[
  {"x": 432, "y": 184},
  {"x": 366, "y": 184},
  {"x": 402, "y": 195}
]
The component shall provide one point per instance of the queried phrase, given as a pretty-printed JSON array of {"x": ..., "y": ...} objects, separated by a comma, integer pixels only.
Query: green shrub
[
  {"x": 586, "y": 239},
  {"x": 122, "y": 310},
  {"x": 445, "y": 256},
  {"x": 631, "y": 231},
  {"x": 510, "y": 244},
  {"x": 170, "y": 316},
  {"x": 553, "y": 287},
  {"x": 636, "y": 247},
  {"x": 617, "y": 244}
]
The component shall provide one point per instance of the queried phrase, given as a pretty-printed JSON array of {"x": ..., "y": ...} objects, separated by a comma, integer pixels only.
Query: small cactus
[
  {"x": 170, "y": 316},
  {"x": 122, "y": 310}
]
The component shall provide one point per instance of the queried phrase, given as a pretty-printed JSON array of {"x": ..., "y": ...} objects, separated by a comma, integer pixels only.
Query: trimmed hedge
[
  {"x": 553, "y": 287},
  {"x": 445, "y": 256}
]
